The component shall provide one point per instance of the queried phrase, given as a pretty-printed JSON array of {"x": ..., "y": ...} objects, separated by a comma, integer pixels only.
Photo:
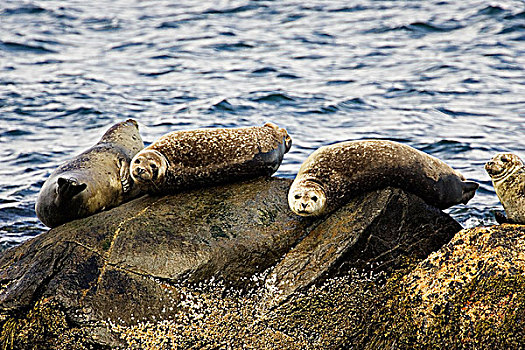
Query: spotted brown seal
[
  {"x": 334, "y": 173},
  {"x": 204, "y": 157}
]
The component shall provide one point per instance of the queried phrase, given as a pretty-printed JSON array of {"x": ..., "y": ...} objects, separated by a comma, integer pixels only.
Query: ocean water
[{"x": 446, "y": 77}]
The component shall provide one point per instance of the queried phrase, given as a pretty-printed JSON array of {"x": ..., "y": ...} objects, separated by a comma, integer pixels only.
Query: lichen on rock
[{"x": 469, "y": 294}]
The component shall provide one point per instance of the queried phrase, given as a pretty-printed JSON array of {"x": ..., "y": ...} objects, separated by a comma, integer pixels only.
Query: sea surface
[{"x": 446, "y": 77}]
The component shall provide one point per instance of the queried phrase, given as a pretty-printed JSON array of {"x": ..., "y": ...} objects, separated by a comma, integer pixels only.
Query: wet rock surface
[{"x": 207, "y": 267}]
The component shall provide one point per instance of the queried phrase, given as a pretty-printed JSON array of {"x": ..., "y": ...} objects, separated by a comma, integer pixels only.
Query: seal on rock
[
  {"x": 334, "y": 173},
  {"x": 95, "y": 180},
  {"x": 507, "y": 172},
  {"x": 204, "y": 157}
]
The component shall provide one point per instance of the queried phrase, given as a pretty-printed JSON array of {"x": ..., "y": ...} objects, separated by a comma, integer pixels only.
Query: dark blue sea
[{"x": 446, "y": 77}]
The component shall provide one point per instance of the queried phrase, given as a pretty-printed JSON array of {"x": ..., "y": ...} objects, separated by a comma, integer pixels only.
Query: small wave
[
  {"x": 292, "y": 18},
  {"x": 31, "y": 158},
  {"x": 458, "y": 113},
  {"x": 340, "y": 82},
  {"x": 513, "y": 28},
  {"x": 491, "y": 10},
  {"x": 274, "y": 97},
  {"x": 350, "y": 9},
  {"x": 18, "y": 47},
  {"x": 169, "y": 24},
  {"x": 419, "y": 28},
  {"x": 223, "y": 105},
  {"x": 232, "y": 47},
  {"x": 308, "y": 57},
  {"x": 446, "y": 147},
  {"x": 28, "y": 9},
  {"x": 347, "y": 105},
  {"x": 127, "y": 45},
  {"x": 519, "y": 15},
  {"x": 15, "y": 132},
  {"x": 355, "y": 103},
  {"x": 80, "y": 111},
  {"x": 264, "y": 70},
  {"x": 162, "y": 57},
  {"x": 102, "y": 24},
  {"x": 432, "y": 28},
  {"x": 233, "y": 10},
  {"x": 226, "y": 106},
  {"x": 288, "y": 76},
  {"x": 157, "y": 73},
  {"x": 51, "y": 61}
]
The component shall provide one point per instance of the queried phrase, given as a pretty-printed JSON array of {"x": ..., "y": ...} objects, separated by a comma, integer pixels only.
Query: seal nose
[
  {"x": 304, "y": 205},
  {"x": 140, "y": 171}
]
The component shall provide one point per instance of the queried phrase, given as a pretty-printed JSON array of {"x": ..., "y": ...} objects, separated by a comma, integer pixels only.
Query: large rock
[
  {"x": 81, "y": 283},
  {"x": 468, "y": 295}
]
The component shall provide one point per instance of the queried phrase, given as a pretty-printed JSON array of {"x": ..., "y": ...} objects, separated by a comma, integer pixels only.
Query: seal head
[
  {"x": 149, "y": 167},
  {"x": 507, "y": 172},
  {"x": 308, "y": 199},
  {"x": 502, "y": 165}
]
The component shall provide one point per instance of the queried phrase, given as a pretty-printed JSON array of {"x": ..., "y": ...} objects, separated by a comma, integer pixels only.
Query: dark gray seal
[
  {"x": 507, "y": 172},
  {"x": 334, "y": 173},
  {"x": 95, "y": 180},
  {"x": 205, "y": 157}
]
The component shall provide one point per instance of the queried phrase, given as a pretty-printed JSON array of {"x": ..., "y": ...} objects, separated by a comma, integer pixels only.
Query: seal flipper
[
  {"x": 68, "y": 188},
  {"x": 469, "y": 190},
  {"x": 501, "y": 218},
  {"x": 124, "y": 176}
]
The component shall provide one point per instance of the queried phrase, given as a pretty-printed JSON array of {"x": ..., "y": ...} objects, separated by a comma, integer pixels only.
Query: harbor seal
[
  {"x": 334, "y": 173},
  {"x": 95, "y": 180},
  {"x": 507, "y": 172},
  {"x": 204, "y": 157}
]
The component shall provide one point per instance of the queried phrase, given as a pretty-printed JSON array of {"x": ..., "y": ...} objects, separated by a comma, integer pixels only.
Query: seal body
[
  {"x": 204, "y": 157},
  {"x": 95, "y": 180},
  {"x": 334, "y": 173},
  {"x": 507, "y": 172}
]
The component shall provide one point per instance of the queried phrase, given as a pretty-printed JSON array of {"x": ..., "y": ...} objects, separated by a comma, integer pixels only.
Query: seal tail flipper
[
  {"x": 68, "y": 188},
  {"x": 469, "y": 190}
]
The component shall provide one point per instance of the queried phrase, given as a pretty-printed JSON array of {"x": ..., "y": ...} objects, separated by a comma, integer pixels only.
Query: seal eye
[
  {"x": 297, "y": 196},
  {"x": 137, "y": 161},
  {"x": 505, "y": 159},
  {"x": 314, "y": 198},
  {"x": 153, "y": 166}
]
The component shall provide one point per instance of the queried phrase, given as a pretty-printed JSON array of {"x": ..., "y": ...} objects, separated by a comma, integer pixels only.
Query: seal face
[
  {"x": 205, "y": 157},
  {"x": 507, "y": 172},
  {"x": 333, "y": 174},
  {"x": 149, "y": 167},
  {"x": 95, "y": 180},
  {"x": 308, "y": 199}
]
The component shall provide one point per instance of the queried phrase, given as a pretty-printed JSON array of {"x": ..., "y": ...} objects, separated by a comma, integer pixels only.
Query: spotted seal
[
  {"x": 507, "y": 173},
  {"x": 334, "y": 173},
  {"x": 204, "y": 157},
  {"x": 95, "y": 180}
]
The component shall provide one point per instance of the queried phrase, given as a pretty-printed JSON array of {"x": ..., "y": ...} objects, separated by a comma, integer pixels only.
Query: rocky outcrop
[
  {"x": 174, "y": 264},
  {"x": 468, "y": 295}
]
